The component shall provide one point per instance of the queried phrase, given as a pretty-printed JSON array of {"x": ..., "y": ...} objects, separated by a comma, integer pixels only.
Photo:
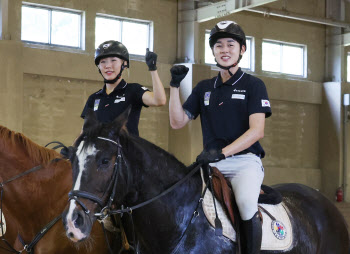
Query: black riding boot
[{"x": 251, "y": 231}]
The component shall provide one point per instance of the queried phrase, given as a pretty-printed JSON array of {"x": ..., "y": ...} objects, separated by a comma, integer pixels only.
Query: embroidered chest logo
[
  {"x": 119, "y": 98},
  {"x": 206, "y": 98},
  {"x": 96, "y": 103},
  {"x": 238, "y": 96}
]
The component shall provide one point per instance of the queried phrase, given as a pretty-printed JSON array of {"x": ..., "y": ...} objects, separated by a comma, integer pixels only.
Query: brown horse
[{"x": 31, "y": 201}]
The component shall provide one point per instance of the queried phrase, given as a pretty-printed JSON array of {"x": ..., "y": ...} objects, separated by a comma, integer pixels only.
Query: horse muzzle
[{"x": 77, "y": 224}]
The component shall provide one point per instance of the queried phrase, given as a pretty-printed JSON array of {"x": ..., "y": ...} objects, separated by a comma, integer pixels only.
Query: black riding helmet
[
  {"x": 227, "y": 29},
  {"x": 111, "y": 48}
]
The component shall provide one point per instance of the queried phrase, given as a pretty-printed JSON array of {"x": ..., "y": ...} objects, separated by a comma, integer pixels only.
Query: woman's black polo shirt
[
  {"x": 108, "y": 106},
  {"x": 225, "y": 108}
]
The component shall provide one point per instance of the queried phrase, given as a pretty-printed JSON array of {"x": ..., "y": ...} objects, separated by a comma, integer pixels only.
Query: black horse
[{"x": 107, "y": 161}]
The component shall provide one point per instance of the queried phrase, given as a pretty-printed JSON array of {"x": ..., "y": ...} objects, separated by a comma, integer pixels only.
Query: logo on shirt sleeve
[
  {"x": 144, "y": 88},
  {"x": 96, "y": 103},
  {"x": 265, "y": 103}
]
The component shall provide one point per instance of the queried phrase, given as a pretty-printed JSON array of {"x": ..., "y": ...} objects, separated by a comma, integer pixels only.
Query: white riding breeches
[{"x": 246, "y": 174}]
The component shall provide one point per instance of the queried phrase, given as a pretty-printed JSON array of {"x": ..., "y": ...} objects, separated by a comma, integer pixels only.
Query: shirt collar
[
  {"x": 120, "y": 86},
  {"x": 233, "y": 80}
]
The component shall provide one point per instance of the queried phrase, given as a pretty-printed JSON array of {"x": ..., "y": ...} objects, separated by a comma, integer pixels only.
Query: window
[
  {"x": 47, "y": 25},
  {"x": 348, "y": 65},
  {"x": 134, "y": 34},
  {"x": 246, "y": 61},
  {"x": 284, "y": 58}
]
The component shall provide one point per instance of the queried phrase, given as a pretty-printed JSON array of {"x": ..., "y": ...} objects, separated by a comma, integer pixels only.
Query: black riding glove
[
  {"x": 210, "y": 156},
  {"x": 151, "y": 60},
  {"x": 178, "y": 73}
]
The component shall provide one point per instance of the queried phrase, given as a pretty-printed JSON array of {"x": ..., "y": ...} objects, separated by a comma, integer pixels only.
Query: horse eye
[{"x": 105, "y": 161}]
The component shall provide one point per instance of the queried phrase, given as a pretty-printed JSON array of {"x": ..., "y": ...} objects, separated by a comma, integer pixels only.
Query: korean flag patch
[{"x": 265, "y": 103}]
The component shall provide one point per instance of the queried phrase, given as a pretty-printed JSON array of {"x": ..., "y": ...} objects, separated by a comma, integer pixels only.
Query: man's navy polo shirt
[
  {"x": 108, "y": 106},
  {"x": 225, "y": 108}
]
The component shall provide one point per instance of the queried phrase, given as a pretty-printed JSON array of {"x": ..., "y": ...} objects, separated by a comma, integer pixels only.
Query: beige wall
[{"x": 43, "y": 89}]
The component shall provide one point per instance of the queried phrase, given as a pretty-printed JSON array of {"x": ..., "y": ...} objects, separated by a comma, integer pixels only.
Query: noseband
[{"x": 76, "y": 194}]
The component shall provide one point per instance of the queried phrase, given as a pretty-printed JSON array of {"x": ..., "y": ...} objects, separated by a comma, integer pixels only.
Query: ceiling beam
[
  {"x": 287, "y": 14},
  {"x": 224, "y": 8}
]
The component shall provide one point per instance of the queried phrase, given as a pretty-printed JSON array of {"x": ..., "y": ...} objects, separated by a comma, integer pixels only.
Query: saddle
[{"x": 223, "y": 192}]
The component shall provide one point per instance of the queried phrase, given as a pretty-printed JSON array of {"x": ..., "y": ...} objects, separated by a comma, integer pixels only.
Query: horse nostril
[
  {"x": 79, "y": 221},
  {"x": 70, "y": 235}
]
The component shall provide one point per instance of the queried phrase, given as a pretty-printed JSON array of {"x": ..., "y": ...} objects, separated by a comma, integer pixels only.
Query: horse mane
[{"x": 37, "y": 153}]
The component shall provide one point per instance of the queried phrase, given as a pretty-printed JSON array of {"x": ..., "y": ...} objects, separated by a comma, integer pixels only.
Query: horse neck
[
  {"x": 34, "y": 199},
  {"x": 174, "y": 210}
]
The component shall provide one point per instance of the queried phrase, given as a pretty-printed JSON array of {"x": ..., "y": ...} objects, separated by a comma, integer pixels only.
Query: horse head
[{"x": 97, "y": 166}]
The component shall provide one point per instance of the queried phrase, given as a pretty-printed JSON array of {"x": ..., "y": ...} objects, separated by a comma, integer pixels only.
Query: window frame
[
  {"x": 281, "y": 44},
  {"x": 252, "y": 54},
  {"x": 50, "y": 8},
  {"x": 348, "y": 68},
  {"x": 138, "y": 21}
]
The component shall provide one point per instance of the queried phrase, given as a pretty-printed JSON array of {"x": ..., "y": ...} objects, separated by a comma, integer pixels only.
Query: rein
[
  {"x": 27, "y": 247},
  {"x": 130, "y": 209}
]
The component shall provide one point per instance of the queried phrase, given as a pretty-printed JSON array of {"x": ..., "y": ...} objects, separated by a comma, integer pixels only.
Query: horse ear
[
  {"x": 90, "y": 120},
  {"x": 121, "y": 121}
]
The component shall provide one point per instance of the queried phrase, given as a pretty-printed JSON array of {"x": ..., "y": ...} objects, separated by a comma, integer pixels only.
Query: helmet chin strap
[
  {"x": 229, "y": 67},
  {"x": 116, "y": 78}
]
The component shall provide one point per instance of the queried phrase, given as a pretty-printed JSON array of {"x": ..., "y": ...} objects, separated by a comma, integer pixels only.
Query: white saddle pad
[
  {"x": 2, "y": 224},
  {"x": 277, "y": 235}
]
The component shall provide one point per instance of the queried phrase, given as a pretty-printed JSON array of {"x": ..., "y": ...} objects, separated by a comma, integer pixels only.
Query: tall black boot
[{"x": 251, "y": 232}]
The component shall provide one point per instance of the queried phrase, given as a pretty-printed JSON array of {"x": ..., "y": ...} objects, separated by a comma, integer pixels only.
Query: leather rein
[{"x": 27, "y": 247}]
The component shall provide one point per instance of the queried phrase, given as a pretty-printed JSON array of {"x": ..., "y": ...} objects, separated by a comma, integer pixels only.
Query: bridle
[
  {"x": 106, "y": 210},
  {"x": 76, "y": 194},
  {"x": 27, "y": 247}
]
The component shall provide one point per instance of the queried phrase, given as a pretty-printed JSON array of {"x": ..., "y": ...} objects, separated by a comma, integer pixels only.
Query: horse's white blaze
[{"x": 82, "y": 155}]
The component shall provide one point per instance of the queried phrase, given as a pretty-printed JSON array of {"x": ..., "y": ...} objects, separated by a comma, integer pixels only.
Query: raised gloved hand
[
  {"x": 151, "y": 60},
  {"x": 210, "y": 156},
  {"x": 178, "y": 73}
]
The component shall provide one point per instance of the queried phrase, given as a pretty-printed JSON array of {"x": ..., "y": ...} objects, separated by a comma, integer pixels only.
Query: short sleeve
[
  {"x": 258, "y": 99},
  {"x": 192, "y": 105},
  {"x": 88, "y": 105},
  {"x": 138, "y": 92}
]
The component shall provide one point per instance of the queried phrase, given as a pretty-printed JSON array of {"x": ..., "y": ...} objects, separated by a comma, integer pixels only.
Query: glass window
[
  {"x": 107, "y": 29},
  {"x": 135, "y": 35},
  {"x": 41, "y": 24},
  {"x": 283, "y": 58},
  {"x": 35, "y": 24},
  {"x": 246, "y": 61}
]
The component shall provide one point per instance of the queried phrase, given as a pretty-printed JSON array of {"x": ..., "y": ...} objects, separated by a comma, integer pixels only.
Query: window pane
[
  {"x": 106, "y": 29},
  {"x": 245, "y": 61},
  {"x": 348, "y": 68},
  {"x": 135, "y": 37},
  {"x": 293, "y": 58},
  {"x": 271, "y": 56},
  {"x": 208, "y": 58},
  {"x": 65, "y": 29},
  {"x": 35, "y": 24}
]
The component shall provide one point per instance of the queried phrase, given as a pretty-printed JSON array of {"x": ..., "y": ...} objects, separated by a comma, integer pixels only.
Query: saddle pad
[
  {"x": 269, "y": 240},
  {"x": 2, "y": 224}
]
